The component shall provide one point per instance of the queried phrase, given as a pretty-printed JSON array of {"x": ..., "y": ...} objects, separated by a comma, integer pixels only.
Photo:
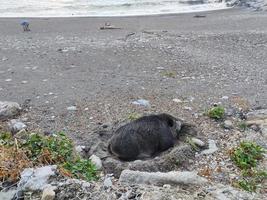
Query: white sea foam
[{"x": 66, "y": 8}]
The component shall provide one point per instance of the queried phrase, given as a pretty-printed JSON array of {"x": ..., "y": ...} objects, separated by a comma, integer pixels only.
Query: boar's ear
[{"x": 170, "y": 122}]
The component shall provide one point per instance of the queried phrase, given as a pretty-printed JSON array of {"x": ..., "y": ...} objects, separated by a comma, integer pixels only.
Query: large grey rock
[
  {"x": 160, "y": 178},
  {"x": 16, "y": 126},
  {"x": 8, "y": 195},
  {"x": 36, "y": 179},
  {"x": 9, "y": 109}
]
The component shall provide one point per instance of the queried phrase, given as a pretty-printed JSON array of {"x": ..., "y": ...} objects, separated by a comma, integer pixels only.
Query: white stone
[
  {"x": 198, "y": 142},
  {"x": 212, "y": 148},
  {"x": 48, "y": 193},
  {"x": 36, "y": 179},
  {"x": 160, "y": 178},
  {"x": 9, "y": 109},
  {"x": 72, "y": 108},
  {"x": 141, "y": 102},
  {"x": 177, "y": 100},
  {"x": 8, "y": 80},
  {"x": 96, "y": 161},
  {"x": 8, "y": 195},
  {"x": 16, "y": 126}
]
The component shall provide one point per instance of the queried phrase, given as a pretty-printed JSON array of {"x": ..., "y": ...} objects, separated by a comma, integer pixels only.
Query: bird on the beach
[{"x": 25, "y": 24}]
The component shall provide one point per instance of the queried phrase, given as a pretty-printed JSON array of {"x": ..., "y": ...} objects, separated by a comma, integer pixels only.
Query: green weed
[{"x": 216, "y": 112}]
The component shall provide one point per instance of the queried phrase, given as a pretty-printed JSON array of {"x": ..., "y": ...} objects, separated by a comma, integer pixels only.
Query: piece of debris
[
  {"x": 141, "y": 102},
  {"x": 198, "y": 142},
  {"x": 108, "y": 26},
  {"x": 199, "y": 16}
]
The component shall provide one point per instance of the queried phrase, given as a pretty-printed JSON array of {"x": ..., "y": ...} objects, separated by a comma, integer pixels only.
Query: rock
[
  {"x": 177, "y": 100},
  {"x": 107, "y": 182},
  {"x": 9, "y": 110},
  {"x": 160, "y": 178},
  {"x": 79, "y": 149},
  {"x": 228, "y": 124},
  {"x": 257, "y": 114},
  {"x": 16, "y": 126},
  {"x": 113, "y": 166},
  {"x": 8, "y": 195},
  {"x": 198, "y": 142},
  {"x": 72, "y": 108},
  {"x": 167, "y": 186},
  {"x": 96, "y": 161},
  {"x": 36, "y": 179},
  {"x": 141, "y": 102},
  {"x": 221, "y": 192},
  {"x": 48, "y": 193},
  {"x": 212, "y": 148}
]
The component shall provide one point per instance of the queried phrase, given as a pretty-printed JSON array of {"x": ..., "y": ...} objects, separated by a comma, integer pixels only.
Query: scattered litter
[
  {"x": 141, "y": 102},
  {"x": 8, "y": 80},
  {"x": 225, "y": 97},
  {"x": 24, "y": 82}
]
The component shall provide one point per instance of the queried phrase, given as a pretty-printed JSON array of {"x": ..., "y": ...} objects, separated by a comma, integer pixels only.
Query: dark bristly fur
[{"x": 145, "y": 137}]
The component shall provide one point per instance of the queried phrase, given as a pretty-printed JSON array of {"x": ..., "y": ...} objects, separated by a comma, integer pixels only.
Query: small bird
[{"x": 25, "y": 24}]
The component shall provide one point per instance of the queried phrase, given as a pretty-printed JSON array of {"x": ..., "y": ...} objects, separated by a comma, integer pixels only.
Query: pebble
[
  {"x": 212, "y": 148},
  {"x": 198, "y": 142},
  {"x": 177, "y": 100},
  {"x": 225, "y": 97},
  {"x": 96, "y": 161},
  {"x": 72, "y": 108},
  {"x": 8, "y": 80},
  {"x": 228, "y": 124},
  {"x": 107, "y": 182},
  {"x": 24, "y": 82},
  {"x": 48, "y": 193}
]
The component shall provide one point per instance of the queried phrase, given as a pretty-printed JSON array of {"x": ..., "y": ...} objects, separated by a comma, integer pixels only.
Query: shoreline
[{"x": 124, "y": 16}]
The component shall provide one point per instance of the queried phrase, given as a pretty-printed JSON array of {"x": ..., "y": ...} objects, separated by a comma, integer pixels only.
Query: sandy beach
[
  {"x": 69, "y": 61},
  {"x": 71, "y": 75}
]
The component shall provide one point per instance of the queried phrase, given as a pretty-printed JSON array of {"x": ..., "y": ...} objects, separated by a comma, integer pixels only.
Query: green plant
[
  {"x": 39, "y": 150},
  {"x": 6, "y": 139},
  {"x": 82, "y": 169},
  {"x": 216, "y": 112},
  {"x": 247, "y": 155},
  {"x": 248, "y": 185}
]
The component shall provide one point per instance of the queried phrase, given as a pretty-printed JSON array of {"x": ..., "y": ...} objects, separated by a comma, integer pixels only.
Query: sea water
[{"x": 66, "y": 8}]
